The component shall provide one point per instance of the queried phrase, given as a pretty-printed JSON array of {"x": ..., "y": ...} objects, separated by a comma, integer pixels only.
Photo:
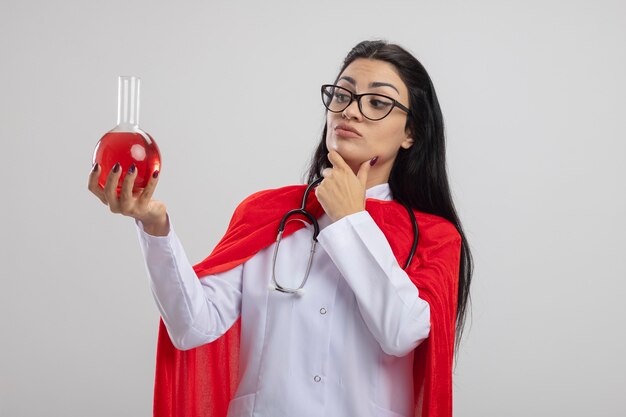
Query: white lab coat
[{"x": 343, "y": 348}]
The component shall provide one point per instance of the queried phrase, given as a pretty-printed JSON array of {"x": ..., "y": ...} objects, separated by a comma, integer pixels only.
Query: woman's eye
[
  {"x": 342, "y": 98},
  {"x": 379, "y": 103}
]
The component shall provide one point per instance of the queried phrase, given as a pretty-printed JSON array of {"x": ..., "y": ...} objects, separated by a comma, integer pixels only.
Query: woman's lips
[{"x": 346, "y": 132}]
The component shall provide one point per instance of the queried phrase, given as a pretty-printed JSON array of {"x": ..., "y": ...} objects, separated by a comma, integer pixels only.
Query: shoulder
[
  {"x": 264, "y": 205},
  {"x": 431, "y": 227},
  {"x": 269, "y": 196},
  {"x": 433, "y": 230},
  {"x": 435, "y": 224},
  {"x": 438, "y": 235},
  {"x": 438, "y": 227},
  {"x": 269, "y": 200}
]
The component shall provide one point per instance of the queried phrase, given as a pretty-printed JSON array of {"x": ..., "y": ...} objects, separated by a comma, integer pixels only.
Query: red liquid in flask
[
  {"x": 127, "y": 148},
  {"x": 127, "y": 143}
]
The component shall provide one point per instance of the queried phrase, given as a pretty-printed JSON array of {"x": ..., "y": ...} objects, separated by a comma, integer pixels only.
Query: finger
[
  {"x": 110, "y": 188},
  {"x": 364, "y": 170},
  {"x": 126, "y": 194},
  {"x": 92, "y": 184},
  {"x": 319, "y": 191},
  {"x": 337, "y": 160},
  {"x": 327, "y": 172},
  {"x": 147, "y": 192}
]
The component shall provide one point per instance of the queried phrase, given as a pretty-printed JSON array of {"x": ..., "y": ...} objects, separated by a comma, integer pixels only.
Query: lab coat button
[
  {"x": 317, "y": 378},
  {"x": 322, "y": 310}
]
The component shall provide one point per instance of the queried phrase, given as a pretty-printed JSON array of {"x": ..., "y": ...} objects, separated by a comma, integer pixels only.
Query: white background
[{"x": 533, "y": 95}]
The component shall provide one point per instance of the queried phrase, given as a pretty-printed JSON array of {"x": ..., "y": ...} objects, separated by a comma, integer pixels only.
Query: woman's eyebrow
[
  {"x": 348, "y": 79},
  {"x": 373, "y": 84},
  {"x": 379, "y": 84}
]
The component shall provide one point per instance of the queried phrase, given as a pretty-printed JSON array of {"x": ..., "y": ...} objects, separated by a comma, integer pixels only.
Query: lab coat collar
[{"x": 379, "y": 192}]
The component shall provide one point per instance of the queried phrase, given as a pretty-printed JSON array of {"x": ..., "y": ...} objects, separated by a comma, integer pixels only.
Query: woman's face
[{"x": 382, "y": 138}]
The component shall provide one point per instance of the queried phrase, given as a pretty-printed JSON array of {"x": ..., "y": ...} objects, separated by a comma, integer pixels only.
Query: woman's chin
[{"x": 351, "y": 153}]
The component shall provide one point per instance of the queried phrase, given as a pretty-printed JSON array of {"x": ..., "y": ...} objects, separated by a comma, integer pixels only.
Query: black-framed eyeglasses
[{"x": 375, "y": 106}]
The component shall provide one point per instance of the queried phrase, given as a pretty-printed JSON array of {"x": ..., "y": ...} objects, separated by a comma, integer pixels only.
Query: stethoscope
[{"x": 316, "y": 230}]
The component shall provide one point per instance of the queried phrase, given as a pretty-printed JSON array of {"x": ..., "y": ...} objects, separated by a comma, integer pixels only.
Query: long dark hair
[{"x": 418, "y": 176}]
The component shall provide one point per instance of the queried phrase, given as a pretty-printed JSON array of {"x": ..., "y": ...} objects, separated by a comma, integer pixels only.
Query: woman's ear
[
  {"x": 407, "y": 142},
  {"x": 408, "y": 138}
]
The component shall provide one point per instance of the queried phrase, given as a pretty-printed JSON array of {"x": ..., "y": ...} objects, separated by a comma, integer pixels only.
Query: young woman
[{"x": 350, "y": 312}]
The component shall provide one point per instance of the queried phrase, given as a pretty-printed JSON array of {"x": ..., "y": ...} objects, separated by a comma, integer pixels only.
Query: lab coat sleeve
[
  {"x": 387, "y": 299},
  {"x": 195, "y": 311}
]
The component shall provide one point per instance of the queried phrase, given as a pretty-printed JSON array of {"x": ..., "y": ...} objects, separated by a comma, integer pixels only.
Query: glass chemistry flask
[{"x": 126, "y": 143}]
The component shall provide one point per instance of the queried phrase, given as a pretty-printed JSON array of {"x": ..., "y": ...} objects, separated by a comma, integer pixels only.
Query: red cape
[{"x": 201, "y": 382}]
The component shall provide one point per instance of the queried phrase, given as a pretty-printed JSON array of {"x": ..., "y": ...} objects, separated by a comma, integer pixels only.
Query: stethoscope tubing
[{"x": 302, "y": 211}]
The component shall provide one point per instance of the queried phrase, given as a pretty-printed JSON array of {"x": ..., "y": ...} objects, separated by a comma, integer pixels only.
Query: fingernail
[
  {"x": 116, "y": 167},
  {"x": 155, "y": 174},
  {"x": 131, "y": 169},
  {"x": 373, "y": 161},
  {"x": 94, "y": 168}
]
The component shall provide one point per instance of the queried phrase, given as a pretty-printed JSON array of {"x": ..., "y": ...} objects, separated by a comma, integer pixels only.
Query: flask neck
[{"x": 128, "y": 102}]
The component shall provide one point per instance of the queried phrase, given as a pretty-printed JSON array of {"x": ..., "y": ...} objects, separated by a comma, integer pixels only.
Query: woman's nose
[{"x": 352, "y": 111}]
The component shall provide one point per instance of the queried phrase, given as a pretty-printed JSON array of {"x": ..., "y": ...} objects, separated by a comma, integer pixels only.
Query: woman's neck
[{"x": 378, "y": 174}]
